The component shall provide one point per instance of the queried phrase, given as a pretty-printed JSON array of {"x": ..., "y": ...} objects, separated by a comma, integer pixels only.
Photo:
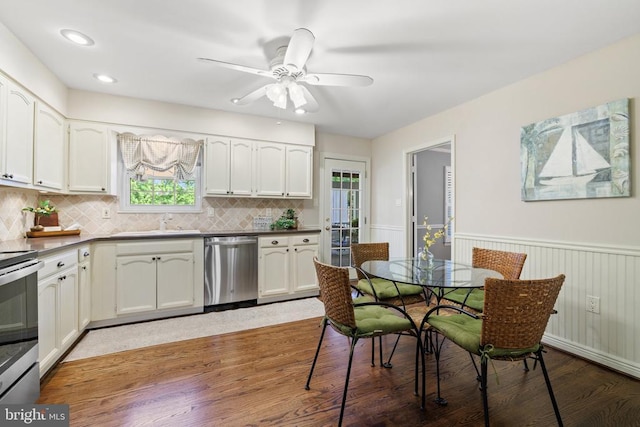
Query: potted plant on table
[{"x": 44, "y": 209}]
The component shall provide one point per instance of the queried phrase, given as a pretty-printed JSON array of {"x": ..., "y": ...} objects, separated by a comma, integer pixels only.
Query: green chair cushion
[
  {"x": 375, "y": 320},
  {"x": 465, "y": 331},
  {"x": 385, "y": 289},
  {"x": 474, "y": 300}
]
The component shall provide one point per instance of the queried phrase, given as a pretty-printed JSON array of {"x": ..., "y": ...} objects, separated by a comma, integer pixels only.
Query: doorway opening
[{"x": 430, "y": 196}]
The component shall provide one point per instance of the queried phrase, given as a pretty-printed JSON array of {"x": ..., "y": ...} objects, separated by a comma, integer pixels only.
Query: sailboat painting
[{"x": 579, "y": 155}]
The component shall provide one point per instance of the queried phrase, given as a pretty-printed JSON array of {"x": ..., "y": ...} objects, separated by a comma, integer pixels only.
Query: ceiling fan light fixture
[
  {"x": 277, "y": 93},
  {"x": 296, "y": 94}
]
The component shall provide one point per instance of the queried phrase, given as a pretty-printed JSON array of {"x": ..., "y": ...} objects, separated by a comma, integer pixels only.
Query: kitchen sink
[{"x": 155, "y": 232}]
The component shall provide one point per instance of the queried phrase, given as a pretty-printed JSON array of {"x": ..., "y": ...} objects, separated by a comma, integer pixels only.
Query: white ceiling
[{"x": 425, "y": 56}]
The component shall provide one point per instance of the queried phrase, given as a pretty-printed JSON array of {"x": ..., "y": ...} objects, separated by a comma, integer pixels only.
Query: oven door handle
[{"x": 20, "y": 273}]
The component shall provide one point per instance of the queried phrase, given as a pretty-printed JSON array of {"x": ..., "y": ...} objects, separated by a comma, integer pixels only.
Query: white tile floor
[{"x": 120, "y": 338}]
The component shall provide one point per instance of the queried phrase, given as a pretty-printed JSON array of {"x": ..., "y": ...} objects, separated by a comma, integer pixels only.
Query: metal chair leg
[
  {"x": 315, "y": 359},
  {"x": 475, "y": 366},
  {"x": 436, "y": 352},
  {"x": 483, "y": 385},
  {"x": 548, "y": 382},
  {"x": 346, "y": 383}
]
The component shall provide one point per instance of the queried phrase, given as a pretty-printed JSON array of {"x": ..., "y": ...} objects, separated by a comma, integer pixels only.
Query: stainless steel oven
[{"x": 19, "y": 369}]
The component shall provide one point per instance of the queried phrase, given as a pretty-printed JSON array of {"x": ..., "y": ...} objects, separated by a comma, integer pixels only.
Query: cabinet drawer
[
  {"x": 273, "y": 241},
  {"x": 56, "y": 263},
  {"x": 84, "y": 253},
  {"x": 305, "y": 239}
]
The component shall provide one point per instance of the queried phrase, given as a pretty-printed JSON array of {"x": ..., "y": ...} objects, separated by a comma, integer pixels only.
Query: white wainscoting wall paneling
[{"x": 610, "y": 338}]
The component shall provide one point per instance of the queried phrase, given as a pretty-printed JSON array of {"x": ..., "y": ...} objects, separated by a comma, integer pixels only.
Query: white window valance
[{"x": 141, "y": 153}]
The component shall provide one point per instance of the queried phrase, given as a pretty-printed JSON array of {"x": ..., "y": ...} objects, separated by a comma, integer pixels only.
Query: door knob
[{"x": 327, "y": 228}]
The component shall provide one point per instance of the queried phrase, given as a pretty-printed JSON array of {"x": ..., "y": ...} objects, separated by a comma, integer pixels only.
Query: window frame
[{"x": 124, "y": 194}]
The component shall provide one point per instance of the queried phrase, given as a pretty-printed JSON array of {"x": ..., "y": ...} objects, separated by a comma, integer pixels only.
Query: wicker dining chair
[
  {"x": 400, "y": 294},
  {"x": 509, "y": 264},
  {"x": 510, "y": 327},
  {"x": 360, "y": 320}
]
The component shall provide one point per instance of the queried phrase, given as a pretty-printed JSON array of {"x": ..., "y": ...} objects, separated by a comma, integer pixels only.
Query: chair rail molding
[{"x": 610, "y": 273}]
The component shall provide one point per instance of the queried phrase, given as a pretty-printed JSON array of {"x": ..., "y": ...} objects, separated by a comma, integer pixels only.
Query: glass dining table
[{"x": 440, "y": 278}]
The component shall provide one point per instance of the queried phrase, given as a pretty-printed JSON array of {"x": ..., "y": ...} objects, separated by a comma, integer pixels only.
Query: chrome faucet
[{"x": 163, "y": 221}]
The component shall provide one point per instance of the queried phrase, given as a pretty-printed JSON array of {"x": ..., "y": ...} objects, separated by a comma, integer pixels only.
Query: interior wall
[
  {"x": 595, "y": 242},
  {"x": 487, "y": 156},
  {"x": 21, "y": 65}
]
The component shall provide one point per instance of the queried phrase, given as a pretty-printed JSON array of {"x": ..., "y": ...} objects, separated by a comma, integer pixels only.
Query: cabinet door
[
  {"x": 273, "y": 271},
  {"x": 48, "y": 156},
  {"x": 270, "y": 165},
  {"x": 135, "y": 283},
  {"x": 241, "y": 171},
  {"x": 18, "y": 149},
  {"x": 217, "y": 161},
  {"x": 48, "y": 343},
  {"x": 175, "y": 280},
  {"x": 84, "y": 295},
  {"x": 299, "y": 171},
  {"x": 303, "y": 273},
  {"x": 68, "y": 307},
  {"x": 88, "y": 158}
]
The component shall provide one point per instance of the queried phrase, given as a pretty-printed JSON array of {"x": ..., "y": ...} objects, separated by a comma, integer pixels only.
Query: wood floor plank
[{"x": 257, "y": 377}]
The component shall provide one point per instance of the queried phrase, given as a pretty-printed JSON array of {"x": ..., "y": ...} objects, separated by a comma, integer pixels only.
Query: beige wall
[
  {"x": 101, "y": 107},
  {"x": 594, "y": 242},
  {"x": 487, "y": 154},
  {"x": 21, "y": 65}
]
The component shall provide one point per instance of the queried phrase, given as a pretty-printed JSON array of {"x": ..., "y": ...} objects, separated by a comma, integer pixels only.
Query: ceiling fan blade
[
  {"x": 299, "y": 49},
  {"x": 251, "y": 96},
  {"x": 237, "y": 67},
  {"x": 312, "y": 105},
  {"x": 323, "y": 79}
]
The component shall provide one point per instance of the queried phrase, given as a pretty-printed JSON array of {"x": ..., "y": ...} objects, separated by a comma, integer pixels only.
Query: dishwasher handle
[{"x": 231, "y": 242}]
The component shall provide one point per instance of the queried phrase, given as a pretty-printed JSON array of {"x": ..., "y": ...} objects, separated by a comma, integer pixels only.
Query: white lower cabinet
[
  {"x": 285, "y": 267},
  {"x": 154, "y": 281},
  {"x": 144, "y": 279},
  {"x": 57, "y": 307}
]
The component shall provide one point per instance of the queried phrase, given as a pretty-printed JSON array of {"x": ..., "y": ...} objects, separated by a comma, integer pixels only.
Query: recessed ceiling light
[
  {"x": 300, "y": 111},
  {"x": 104, "y": 78},
  {"x": 77, "y": 37},
  {"x": 235, "y": 100}
]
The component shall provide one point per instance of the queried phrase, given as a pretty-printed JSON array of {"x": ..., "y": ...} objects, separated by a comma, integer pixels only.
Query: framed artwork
[{"x": 577, "y": 156}]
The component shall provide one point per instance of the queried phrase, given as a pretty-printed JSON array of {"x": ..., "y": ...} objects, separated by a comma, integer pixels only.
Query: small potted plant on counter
[
  {"x": 44, "y": 209},
  {"x": 286, "y": 221}
]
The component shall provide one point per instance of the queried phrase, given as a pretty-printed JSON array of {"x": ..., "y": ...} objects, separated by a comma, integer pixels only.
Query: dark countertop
[{"x": 49, "y": 244}]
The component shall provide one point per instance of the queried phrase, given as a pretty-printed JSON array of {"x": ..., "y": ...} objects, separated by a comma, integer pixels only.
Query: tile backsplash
[{"x": 86, "y": 210}]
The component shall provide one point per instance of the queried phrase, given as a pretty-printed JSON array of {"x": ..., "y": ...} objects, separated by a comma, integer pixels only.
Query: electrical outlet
[
  {"x": 211, "y": 212},
  {"x": 106, "y": 213},
  {"x": 593, "y": 304}
]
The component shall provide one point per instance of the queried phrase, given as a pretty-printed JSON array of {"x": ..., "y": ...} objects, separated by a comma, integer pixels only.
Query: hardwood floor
[{"x": 257, "y": 377}]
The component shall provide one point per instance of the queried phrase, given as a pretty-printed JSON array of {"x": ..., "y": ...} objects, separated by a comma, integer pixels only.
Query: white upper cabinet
[
  {"x": 228, "y": 167},
  {"x": 89, "y": 160},
  {"x": 270, "y": 162},
  {"x": 16, "y": 143},
  {"x": 299, "y": 171},
  {"x": 48, "y": 154}
]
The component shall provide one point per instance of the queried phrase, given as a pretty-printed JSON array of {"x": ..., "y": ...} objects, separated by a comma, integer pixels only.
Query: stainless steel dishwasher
[{"x": 231, "y": 270}]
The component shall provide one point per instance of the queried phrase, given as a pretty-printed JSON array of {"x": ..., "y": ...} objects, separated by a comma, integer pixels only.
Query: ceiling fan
[{"x": 289, "y": 71}]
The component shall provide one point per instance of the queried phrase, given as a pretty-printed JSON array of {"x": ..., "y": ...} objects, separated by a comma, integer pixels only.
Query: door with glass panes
[{"x": 344, "y": 212}]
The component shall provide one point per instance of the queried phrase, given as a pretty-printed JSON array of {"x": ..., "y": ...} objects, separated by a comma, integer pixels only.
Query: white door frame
[
  {"x": 408, "y": 186},
  {"x": 322, "y": 213}
]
